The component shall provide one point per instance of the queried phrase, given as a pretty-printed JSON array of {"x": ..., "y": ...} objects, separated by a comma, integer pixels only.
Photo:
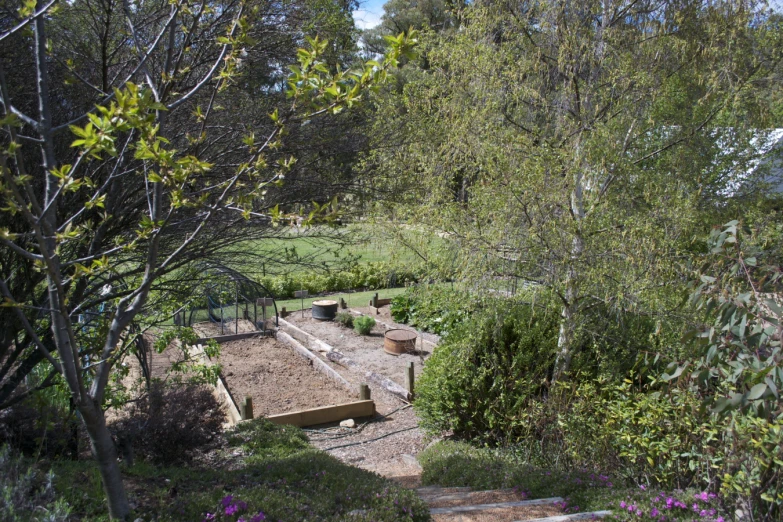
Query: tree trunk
[
  {"x": 565, "y": 337},
  {"x": 105, "y": 455}
]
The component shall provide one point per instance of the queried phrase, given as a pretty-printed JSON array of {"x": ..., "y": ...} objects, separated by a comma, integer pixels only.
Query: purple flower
[
  {"x": 258, "y": 518},
  {"x": 230, "y": 510},
  {"x": 719, "y": 519},
  {"x": 227, "y": 500},
  {"x": 209, "y": 516},
  {"x": 702, "y": 513},
  {"x": 669, "y": 503},
  {"x": 654, "y": 513},
  {"x": 622, "y": 504},
  {"x": 643, "y": 487},
  {"x": 638, "y": 512},
  {"x": 242, "y": 505}
]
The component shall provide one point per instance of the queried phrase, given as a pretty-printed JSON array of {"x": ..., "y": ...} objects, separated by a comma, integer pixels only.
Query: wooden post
[
  {"x": 343, "y": 304},
  {"x": 375, "y": 300},
  {"x": 364, "y": 392},
  {"x": 246, "y": 408},
  {"x": 409, "y": 378}
]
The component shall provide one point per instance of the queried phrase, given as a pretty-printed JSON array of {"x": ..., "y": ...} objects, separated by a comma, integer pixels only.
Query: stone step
[
  {"x": 588, "y": 515},
  {"x": 492, "y": 496},
  {"x": 495, "y": 505},
  {"x": 498, "y": 511}
]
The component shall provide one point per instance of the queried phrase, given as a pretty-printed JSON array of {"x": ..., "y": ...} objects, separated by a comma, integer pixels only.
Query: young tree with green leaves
[{"x": 119, "y": 196}]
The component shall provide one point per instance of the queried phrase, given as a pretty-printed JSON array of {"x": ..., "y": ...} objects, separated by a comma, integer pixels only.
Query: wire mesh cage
[{"x": 231, "y": 303}]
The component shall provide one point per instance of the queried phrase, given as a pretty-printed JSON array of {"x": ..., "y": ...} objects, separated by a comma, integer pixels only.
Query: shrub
[
  {"x": 169, "y": 423},
  {"x": 345, "y": 319},
  {"x": 363, "y": 324},
  {"x": 370, "y": 276},
  {"x": 36, "y": 428},
  {"x": 25, "y": 495},
  {"x": 479, "y": 377}
]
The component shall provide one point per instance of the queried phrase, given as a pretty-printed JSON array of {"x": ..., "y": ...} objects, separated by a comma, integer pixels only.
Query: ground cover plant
[
  {"x": 363, "y": 324},
  {"x": 455, "y": 464},
  {"x": 345, "y": 319},
  {"x": 277, "y": 474}
]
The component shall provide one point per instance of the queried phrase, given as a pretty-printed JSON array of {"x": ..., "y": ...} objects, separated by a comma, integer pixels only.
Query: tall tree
[{"x": 582, "y": 146}]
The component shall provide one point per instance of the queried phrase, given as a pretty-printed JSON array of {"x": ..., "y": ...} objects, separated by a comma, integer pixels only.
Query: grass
[
  {"x": 280, "y": 475},
  {"x": 455, "y": 464},
  {"x": 354, "y": 299},
  {"x": 362, "y": 244}
]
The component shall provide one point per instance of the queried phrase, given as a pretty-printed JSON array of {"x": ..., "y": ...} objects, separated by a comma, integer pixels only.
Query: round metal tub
[
  {"x": 399, "y": 341},
  {"x": 324, "y": 310}
]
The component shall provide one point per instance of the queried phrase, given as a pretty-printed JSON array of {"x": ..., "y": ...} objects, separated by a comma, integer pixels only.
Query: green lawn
[
  {"x": 354, "y": 299},
  {"x": 300, "y": 250}
]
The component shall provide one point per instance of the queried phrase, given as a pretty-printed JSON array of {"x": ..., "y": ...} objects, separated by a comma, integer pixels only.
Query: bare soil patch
[
  {"x": 278, "y": 380},
  {"x": 366, "y": 350}
]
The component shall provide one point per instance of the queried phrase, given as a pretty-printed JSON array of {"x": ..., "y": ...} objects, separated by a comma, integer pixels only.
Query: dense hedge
[
  {"x": 480, "y": 376},
  {"x": 370, "y": 276}
]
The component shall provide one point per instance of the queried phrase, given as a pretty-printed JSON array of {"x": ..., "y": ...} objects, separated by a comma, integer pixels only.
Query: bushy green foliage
[
  {"x": 370, "y": 276},
  {"x": 435, "y": 309},
  {"x": 479, "y": 377},
  {"x": 363, "y": 324},
  {"x": 345, "y": 319}
]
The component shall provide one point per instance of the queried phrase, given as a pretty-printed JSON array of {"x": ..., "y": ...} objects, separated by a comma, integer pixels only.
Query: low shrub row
[{"x": 370, "y": 276}]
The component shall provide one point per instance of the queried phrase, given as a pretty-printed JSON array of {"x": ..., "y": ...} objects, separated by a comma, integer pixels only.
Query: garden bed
[
  {"x": 366, "y": 350},
  {"x": 278, "y": 380}
]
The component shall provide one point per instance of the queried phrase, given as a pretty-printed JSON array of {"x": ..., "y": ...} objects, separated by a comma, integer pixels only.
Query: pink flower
[
  {"x": 643, "y": 487},
  {"x": 622, "y": 504}
]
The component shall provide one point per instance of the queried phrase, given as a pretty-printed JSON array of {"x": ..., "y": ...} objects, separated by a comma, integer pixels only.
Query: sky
[{"x": 369, "y": 13}]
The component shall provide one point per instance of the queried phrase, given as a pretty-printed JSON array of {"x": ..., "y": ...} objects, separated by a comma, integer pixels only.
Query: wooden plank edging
[
  {"x": 318, "y": 364},
  {"x": 325, "y": 414},
  {"x": 234, "y": 417},
  {"x": 300, "y": 335},
  {"x": 499, "y": 505},
  {"x": 375, "y": 378}
]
